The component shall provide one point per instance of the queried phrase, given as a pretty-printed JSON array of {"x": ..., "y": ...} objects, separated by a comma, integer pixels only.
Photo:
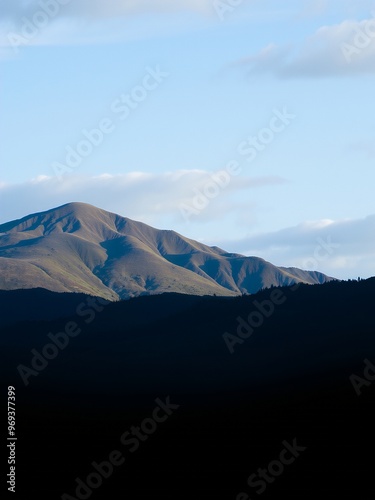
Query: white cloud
[
  {"x": 155, "y": 199},
  {"x": 344, "y": 49},
  {"x": 152, "y": 198},
  {"x": 15, "y": 10},
  {"x": 67, "y": 22},
  {"x": 351, "y": 243},
  {"x": 348, "y": 8}
]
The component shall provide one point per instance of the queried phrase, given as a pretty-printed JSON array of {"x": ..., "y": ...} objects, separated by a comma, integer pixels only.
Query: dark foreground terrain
[{"x": 150, "y": 385}]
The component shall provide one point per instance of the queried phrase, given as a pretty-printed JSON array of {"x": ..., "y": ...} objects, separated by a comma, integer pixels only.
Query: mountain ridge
[{"x": 81, "y": 248}]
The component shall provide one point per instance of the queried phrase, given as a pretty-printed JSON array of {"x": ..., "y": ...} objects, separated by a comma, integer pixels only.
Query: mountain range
[{"x": 80, "y": 248}]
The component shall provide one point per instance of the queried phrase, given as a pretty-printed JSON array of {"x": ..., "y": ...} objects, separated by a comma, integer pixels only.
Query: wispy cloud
[
  {"x": 365, "y": 148},
  {"x": 65, "y": 22},
  {"x": 351, "y": 242},
  {"x": 345, "y": 49},
  {"x": 348, "y": 8},
  {"x": 98, "y": 8},
  {"x": 138, "y": 195},
  {"x": 343, "y": 248}
]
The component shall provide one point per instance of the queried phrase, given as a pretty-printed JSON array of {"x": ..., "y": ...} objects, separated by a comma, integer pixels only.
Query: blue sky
[{"x": 224, "y": 75}]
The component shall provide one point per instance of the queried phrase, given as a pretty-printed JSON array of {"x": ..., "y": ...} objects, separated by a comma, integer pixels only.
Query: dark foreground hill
[
  {"x": 288, "y": 384},
  {"x": 81, "y": 248}
]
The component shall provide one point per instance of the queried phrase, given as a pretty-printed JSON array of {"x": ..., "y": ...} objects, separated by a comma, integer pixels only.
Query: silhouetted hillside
[
  {"x": 289, "y": 379},
  {"x": 37, "y": 304}
]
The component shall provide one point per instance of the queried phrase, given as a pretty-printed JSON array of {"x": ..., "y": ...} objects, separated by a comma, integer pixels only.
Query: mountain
[{"x": 80, "y": 248}]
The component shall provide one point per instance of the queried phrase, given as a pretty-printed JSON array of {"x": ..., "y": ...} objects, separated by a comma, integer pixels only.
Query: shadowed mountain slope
[{"x": 81, "y": 248}]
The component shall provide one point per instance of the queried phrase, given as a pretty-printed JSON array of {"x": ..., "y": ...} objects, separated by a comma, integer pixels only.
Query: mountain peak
[
  {"x": 79, "y": 247},
  {"x": 69, "y": 218}
]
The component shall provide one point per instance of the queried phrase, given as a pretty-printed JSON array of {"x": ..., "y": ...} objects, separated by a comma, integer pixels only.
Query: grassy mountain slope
[{"x": 80, "y": 248}]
